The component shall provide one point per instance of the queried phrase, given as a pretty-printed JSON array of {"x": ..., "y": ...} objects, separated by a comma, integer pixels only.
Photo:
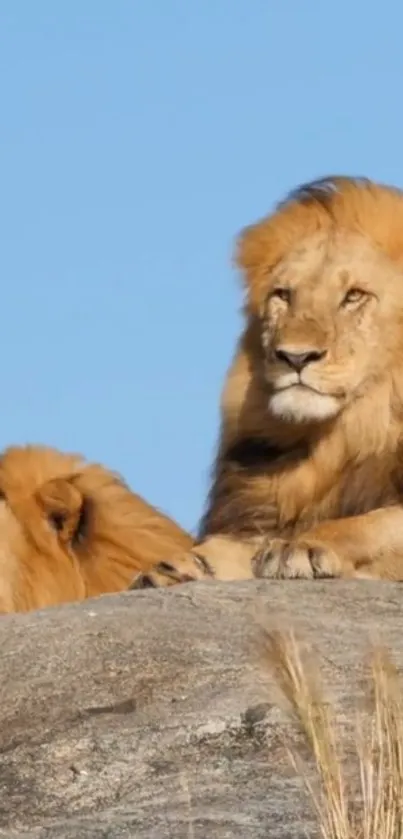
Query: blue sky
[{"x": 137, "y": 137}]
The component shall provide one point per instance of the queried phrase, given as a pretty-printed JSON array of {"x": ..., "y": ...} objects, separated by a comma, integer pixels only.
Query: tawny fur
[
  {"x": 71, "y": 530},
  {"x": 308, "y": 479}
]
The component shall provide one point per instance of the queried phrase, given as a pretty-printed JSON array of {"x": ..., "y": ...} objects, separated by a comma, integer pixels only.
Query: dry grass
[{"x": 361, "y": 801}]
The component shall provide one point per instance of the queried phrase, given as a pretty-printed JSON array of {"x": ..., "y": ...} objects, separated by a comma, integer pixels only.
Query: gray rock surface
[{"x": 153, "y": 714}]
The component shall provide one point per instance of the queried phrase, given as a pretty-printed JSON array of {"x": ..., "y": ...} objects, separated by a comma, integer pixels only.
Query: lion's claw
[
  {"x": 280, "y": 559},
  {"x": 185, "y": 568}
]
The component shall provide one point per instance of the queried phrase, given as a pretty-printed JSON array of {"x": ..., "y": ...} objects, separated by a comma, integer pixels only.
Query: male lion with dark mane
[
  {"x": 308, "y": 480},
  {"x": 71, "y": 530}
]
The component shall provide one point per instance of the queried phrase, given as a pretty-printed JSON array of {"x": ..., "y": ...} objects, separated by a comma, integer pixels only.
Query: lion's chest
[
  {"x": 307, "y": 494},
  {"x": 258, "y": 490}
]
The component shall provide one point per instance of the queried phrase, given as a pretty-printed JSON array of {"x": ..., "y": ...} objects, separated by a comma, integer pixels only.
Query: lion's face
[{"x": 331, "y": 324}]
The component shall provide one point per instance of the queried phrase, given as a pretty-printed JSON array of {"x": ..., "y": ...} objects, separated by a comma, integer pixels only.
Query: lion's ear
[
  {"x": 257, "y": 249},
  {"x": 248, "y": 248},
  {"x": 63, "y": 505}
]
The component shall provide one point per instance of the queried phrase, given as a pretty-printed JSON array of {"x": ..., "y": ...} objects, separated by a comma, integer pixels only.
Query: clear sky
[{"x": 136, "y": 138}]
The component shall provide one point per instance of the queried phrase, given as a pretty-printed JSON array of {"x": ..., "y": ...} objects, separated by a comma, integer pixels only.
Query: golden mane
[{"x": 357, "y": 205}]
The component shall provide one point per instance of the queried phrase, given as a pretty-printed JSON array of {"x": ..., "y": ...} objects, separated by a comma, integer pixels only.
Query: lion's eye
[
  {"x": 282, "y": 293},
  {"x": 354, "y": 295}
]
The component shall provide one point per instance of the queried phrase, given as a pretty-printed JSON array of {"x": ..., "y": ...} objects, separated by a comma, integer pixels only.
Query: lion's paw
[
  {"x": 184, "y": 568},
  {"x": 300, "y": 559}
]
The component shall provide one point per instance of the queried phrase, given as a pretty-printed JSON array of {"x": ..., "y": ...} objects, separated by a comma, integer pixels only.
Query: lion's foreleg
[
  {"x": 365, "y": 546},
  {"x": 217, "y": 557}
]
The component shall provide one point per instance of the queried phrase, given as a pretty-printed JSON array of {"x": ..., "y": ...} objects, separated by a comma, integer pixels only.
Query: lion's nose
[{"x": 298, "y": 360}]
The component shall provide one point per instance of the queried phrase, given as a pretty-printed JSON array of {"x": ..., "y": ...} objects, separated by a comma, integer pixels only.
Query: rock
[{"x": 154, "y": 714}]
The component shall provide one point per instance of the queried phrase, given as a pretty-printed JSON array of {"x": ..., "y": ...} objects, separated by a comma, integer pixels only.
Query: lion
[
  {"x": 308, "y": 478},
  {"x": 71, "y": 530}
]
